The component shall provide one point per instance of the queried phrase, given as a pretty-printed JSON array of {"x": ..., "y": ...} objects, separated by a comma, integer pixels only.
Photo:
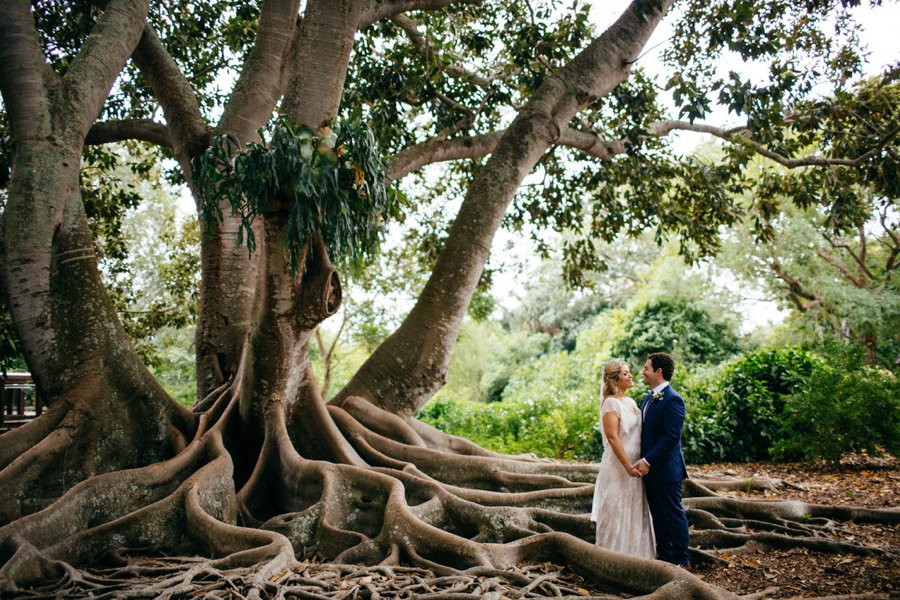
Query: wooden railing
[{"x": 19, "y": 401}]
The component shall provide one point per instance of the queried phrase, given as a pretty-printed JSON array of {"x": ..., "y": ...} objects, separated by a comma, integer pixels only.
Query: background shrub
[
  {"x": 547, "y": 409},
  {"x": 782, "y": 403},
  {"x": 844, "y": 408},
  {"x": 737, "y": 416},
  {"x": 753, "y": 393}
]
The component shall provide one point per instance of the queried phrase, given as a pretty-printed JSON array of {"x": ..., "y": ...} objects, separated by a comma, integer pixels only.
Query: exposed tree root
[
  {"x": 78, "y": 438},
  {"x": 743, "y": 485},
  {"x": 21, "y": 439},
  {"x": 462, "y": 521},
  {"x": 792, "y": 510}
]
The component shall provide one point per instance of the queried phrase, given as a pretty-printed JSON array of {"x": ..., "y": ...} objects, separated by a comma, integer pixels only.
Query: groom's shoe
[{"x": 687, "y": 567}]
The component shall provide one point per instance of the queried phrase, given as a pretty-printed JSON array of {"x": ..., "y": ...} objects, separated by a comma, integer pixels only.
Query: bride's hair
[{"x": 611, "y": 373}]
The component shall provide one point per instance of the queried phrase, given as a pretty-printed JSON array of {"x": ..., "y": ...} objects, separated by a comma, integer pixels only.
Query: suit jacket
[{"x": 661, "y": 437}]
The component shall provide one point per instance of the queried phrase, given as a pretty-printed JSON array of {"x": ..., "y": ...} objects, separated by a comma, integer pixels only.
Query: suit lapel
[{"x": 655, "y": 403}]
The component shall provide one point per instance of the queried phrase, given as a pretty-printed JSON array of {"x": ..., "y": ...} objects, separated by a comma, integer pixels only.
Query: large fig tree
[{"x": 264, "y": 470}]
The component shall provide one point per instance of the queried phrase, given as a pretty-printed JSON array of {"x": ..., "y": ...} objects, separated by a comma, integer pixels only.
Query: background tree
[
  {"x": 262, "y": 469},
  {"x": 841, "y": 286}
]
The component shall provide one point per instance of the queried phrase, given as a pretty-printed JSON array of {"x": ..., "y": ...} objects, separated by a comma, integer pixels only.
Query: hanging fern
[{"x": 330, "y": 182}]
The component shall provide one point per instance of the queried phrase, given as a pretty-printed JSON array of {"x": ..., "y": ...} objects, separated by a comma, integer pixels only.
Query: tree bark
[
  {"x": 228, "y": 288},
  {"x": 112, "y": 412}
]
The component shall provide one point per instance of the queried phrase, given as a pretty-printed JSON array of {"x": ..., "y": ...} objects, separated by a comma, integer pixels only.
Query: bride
[{"x": 620, "y": 506}]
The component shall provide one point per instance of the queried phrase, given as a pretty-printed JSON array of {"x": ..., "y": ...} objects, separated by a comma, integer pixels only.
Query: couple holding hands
[{"x": 637, "y": 499}]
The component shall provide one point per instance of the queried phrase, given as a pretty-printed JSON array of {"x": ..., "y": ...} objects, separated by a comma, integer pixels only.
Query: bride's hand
[{"x": 632, "y": 470}]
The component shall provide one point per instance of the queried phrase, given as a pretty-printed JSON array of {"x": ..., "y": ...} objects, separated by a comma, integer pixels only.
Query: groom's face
[{"x": 651, "y": 377}]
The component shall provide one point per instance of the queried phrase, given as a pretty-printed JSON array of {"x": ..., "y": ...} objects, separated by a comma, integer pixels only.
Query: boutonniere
[{"x": 657, "y": 395}]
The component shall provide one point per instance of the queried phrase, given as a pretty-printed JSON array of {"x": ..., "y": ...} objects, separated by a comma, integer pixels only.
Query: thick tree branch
[
  {"x": 229, "y": 285},
  {"x": 187, "y": 128},
  {"x": 260, "y": 84},
  {"x": 319, "y": 61},
  {"x": 145, "y": 130},
  {"x": 477, "y": 146},
  {"x": 100, "y": 60},
  {"x": 24, "y": 73},
  {"x": 408, "y": 367},
  {"x": 377, "y": 11}
]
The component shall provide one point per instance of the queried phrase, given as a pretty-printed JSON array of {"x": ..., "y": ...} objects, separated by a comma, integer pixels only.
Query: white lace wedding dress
[{"x": 620, "y": 506}]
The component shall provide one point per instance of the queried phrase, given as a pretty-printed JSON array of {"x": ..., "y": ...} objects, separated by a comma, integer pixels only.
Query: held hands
[
  {"x": 642, "y": 467},
  {"x": 633, "y": 471}
]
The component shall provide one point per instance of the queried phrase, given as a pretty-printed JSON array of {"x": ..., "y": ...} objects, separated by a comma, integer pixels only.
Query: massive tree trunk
[
  {"x": 107, "y": 412},
  {"x": 263, "y": 471},
  {"x": 228, "y": 287}
]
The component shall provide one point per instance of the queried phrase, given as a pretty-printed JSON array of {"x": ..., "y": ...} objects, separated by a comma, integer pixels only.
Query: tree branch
[
  {"x": 860, "y": 260},
  {"x": 796, "y": 292},
  {"x": 834, "y": 262},
  {"x": 424, "y": 47},
  {"x": 436, "y": 150},
  {"x": 188, "y": 130},
  {"x": 411, "y": 364},
  {"x": 661, "y": 128},
  {"x": 145, "y": 130},
  {"x": 24, "y": 73},
  {"x": 477, "y": 146},
  {"x": 377, "y": 11},
  {"x": 260, "y": 84},
  {"x": 894, "y": 246},
  {"x": 101, "y": 59}
]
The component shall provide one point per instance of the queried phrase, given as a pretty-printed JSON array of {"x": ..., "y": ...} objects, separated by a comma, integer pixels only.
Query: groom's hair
[{"x": 661, "y": 360}]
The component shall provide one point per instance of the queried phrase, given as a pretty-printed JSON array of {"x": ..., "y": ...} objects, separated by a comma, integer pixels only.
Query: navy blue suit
[{"x": 661, "y": 448}]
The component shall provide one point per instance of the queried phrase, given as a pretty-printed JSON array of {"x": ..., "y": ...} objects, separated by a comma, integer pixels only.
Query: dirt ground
[{"x": 858, "y": 481}]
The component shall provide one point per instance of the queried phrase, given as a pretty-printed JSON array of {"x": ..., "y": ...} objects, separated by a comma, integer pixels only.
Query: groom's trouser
[{"x": 669, "y": 522}]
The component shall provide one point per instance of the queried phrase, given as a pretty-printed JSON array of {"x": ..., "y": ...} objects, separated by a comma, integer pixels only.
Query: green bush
[
  {"x": 737, "y": 416},
  {"x": 845, "y": 407},
  {"x": 753, "y": 393},
  {"x": 782, "y": 403},
  {"x": 703, "y": 440},
  {"x": 547, "y": 409},
  {"x": 560, "y": 429}
]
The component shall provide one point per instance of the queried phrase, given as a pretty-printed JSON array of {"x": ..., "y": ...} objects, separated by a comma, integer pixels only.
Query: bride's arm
[{"x": 611, "y": 430}]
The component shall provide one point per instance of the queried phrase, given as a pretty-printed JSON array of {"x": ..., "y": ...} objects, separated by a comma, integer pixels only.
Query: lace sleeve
[{"x": 609, "y": 404}]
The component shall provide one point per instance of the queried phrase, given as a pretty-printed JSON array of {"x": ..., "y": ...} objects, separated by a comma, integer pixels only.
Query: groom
[{"x": 662, "y": 463}]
